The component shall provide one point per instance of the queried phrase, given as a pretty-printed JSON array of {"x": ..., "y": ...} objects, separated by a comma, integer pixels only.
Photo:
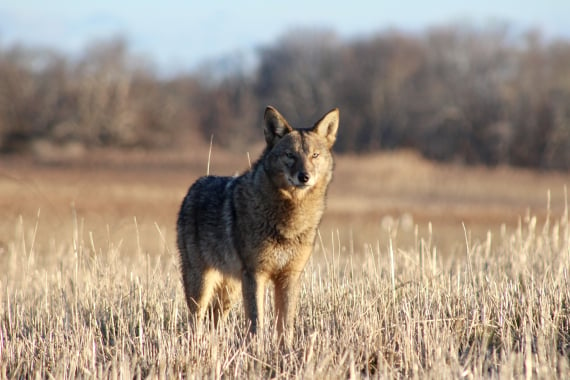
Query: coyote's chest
[
  {"x": 296, "y": 230},
  {"x": 285, "y": 232},
  {"x": 296, "y": 222}
]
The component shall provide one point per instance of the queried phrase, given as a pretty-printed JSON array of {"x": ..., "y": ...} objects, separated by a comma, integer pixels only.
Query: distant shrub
[{"x": 454, "y": 93}]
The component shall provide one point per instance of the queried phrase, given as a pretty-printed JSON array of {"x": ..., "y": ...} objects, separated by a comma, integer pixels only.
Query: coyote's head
[{"x": 299, "y": 159}]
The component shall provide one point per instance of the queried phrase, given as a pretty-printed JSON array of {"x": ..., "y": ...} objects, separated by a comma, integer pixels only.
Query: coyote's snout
[
  {"x": 238, "y": 233},
  {"x": 302, "y": 173}
]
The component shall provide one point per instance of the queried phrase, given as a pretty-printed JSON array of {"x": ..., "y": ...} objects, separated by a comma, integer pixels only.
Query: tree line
[{"x": 453, "y": 93}]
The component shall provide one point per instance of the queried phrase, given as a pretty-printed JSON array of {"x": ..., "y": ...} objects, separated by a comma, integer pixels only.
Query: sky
[{"x": 181, "y": 35}]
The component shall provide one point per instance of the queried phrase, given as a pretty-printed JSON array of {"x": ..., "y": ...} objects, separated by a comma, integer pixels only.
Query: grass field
[{"x": 420, "y": 271}]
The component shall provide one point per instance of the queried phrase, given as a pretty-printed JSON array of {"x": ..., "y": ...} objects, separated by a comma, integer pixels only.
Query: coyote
[{"x": 241, "y": 232}]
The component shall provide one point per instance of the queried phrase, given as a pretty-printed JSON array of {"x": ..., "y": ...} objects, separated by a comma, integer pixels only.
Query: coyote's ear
[
  {"x": 327, "y": 126},
  {"x": 275, "y": 126}
]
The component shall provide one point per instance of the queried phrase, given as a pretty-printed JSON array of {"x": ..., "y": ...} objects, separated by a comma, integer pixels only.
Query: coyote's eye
[
  {"x": 289, "y": 155},
  {"x": 315, "y": 155}
]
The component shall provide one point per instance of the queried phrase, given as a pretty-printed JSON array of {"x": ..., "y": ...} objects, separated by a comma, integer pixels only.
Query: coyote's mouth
[{"x": 297, "y": 185}]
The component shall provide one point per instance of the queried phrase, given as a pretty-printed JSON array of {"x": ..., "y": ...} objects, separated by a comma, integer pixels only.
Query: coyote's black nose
[{"x": 303, "y": 177}]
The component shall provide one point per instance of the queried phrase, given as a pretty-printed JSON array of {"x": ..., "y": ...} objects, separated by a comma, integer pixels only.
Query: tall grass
[{"x": 78, "y": 307}]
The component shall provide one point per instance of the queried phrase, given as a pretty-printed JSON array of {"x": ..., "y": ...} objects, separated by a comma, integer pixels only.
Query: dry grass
[{"x": 91, "y": 286}]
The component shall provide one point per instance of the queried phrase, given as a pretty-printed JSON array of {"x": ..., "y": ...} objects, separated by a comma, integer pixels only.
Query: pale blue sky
[{"x": 178, "y": 34}]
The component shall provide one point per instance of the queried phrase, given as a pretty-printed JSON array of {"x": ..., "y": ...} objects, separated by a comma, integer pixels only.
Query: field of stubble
[{"x": 420, "y": 271}]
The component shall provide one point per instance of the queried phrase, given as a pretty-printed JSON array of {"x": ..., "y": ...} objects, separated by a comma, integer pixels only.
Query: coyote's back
[{"x": 240, "y": 232}]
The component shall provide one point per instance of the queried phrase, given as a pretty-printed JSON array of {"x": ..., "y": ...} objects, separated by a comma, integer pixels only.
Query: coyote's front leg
[
  {"x": 253, "y": 288},
  {"x": 287, "y": 288}
]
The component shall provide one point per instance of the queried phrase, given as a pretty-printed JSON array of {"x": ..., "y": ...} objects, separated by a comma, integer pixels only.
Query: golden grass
[{"x": 91, "y": 286}]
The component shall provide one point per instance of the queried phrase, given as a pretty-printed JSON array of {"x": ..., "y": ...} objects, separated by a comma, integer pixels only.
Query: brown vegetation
[
  {"x": 91, "y": 285},
  {"x": 106, "y": 189},
  {"x": 455, "y": 93}
]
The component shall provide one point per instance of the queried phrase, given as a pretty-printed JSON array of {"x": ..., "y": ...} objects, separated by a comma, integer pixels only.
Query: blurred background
[
  {"x": 455, "y": 116},
  {"x": 481, "y": 82}
]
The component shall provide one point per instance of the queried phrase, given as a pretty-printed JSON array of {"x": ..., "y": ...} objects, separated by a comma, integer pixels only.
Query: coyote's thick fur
[{"x": 240, "y": 232}]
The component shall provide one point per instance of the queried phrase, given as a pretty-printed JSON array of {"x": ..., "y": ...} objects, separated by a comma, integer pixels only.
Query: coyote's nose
[{"x": 303, "y": 177}]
